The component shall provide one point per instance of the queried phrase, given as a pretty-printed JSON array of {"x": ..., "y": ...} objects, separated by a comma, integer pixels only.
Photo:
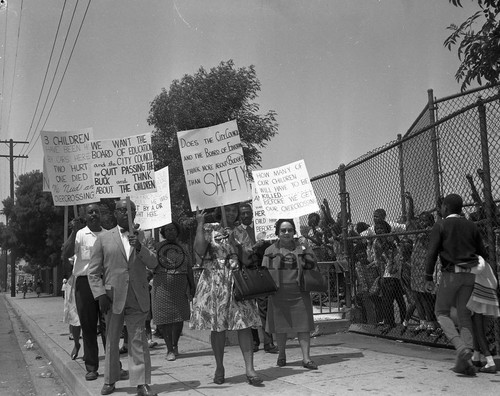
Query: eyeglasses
[{"x": 285, "y": 230}]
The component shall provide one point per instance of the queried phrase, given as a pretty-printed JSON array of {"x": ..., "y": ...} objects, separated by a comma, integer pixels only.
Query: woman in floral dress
[{"x": 214, "y": 307}]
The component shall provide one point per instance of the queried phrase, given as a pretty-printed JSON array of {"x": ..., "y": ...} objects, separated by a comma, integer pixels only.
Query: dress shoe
[
  {"x": 74, "y": 352},
  {"x": 152, "y": 343},
  {"x": 254, "y": 380},
  {"x": 477, "y": 363},
  {"x": 271, "y": 349},
  {"x": 170, "y": 356},
  {"x": 91, "y": 375},
  {"x": 123, "y": 350},
  {"x": 145, "y": 390},
  {"x": 489, "y": 370},
  {"x": 107, "y": 389},
  {"x": 219, "y": 378},
  {"x": 281, "y": 362},
  {"x": 310, "y": 365},
  {"x": 123, "y": 375}
]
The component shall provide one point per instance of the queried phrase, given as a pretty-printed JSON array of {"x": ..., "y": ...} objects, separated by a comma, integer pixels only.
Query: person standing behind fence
[
  {"x": 457, "y": 242},
  {"x": 290, "y": 309},
  {"x": 173, "y": 287},
  {"x": 384, "y": 252}
]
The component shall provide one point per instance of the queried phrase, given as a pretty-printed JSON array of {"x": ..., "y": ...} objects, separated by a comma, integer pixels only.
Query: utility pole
[{"x": 12, "y": 157}]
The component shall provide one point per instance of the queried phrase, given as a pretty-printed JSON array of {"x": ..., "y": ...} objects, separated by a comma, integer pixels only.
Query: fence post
[
  {"x": 402, "y": 179},
  {"x": 434, "y": 142},
  {"x": 345, "y": 215},
  {"x": 488, "y": 198}
]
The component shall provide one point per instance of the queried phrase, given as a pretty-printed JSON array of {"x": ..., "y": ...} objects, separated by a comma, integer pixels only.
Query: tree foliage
[
  {"x": 35, "y": 228},
  {"x": 204, "y": 99},
  {"x": 478, "y": 50}
]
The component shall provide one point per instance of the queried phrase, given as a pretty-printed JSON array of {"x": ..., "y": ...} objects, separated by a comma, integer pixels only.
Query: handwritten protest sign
[
  {"x": 153, "y": 209},
  {"x": 123, "y": 167},
  {"x": 264, "y": 225},
  {"x": 286, "y": 191},
  {"x": 68, "y": 166},
  {"x": 215, "y": 170}
]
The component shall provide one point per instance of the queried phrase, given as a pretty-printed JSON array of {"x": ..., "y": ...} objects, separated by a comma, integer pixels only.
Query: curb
[{"x": 66, "y": 370}]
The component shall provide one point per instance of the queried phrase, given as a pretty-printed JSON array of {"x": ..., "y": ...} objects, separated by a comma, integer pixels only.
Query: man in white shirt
[
  {"x": 379, "y": 216},
  {"x": 80, "y": 244}
]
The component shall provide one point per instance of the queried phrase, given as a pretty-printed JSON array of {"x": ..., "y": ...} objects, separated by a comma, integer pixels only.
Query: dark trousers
[
  {"x": 89, "y": 314},
  {"x": 392, "y": 291},
  {"x": 268, "y": 338}
]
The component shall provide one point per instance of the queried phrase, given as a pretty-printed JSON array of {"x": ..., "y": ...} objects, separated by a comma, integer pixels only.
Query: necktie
[{"x": 251, "y": 234}]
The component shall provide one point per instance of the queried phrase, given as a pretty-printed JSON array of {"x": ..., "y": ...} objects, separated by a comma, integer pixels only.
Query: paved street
[{"x": 350, "y": 364}]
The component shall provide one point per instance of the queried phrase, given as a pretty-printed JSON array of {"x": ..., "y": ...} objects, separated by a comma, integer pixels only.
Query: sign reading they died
[
  {"x": 286, "y": 191},
  {"x": 68, "y": 166},
  {"x": 123, "y": 167},
  {"x": 214, "y": 166}
]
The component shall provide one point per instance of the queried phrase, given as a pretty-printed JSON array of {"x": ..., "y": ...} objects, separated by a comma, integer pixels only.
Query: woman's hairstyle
[
  {"x": 314, "y": 215},
  {"x": 175, "y": 224},
  {"x": 218, "y": 212},
  {"x": 277, "y": 225}
]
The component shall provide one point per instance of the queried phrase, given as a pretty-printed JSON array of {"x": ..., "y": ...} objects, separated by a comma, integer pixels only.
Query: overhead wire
[
  {"x": 64, "y": 74},
  {"x": 15, "y": 65},
  {"x": 31, "y": 129},
  {"x": 3, "y": 64}
]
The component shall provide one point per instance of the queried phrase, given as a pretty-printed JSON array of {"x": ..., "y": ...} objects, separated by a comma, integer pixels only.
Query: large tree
[
  {"x": 201, "y": 100},
  {"x": 478, "y": 50},
  {"x": 35, "y": 227}
]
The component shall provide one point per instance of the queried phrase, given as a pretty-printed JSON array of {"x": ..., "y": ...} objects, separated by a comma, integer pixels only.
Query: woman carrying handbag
[{"x": 290, "y": 309}]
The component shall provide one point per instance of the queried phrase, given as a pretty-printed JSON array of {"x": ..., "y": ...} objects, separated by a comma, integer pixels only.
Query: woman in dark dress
[
  {"x": 290, "y": 309},
  {"x": 173, "y": 287}
]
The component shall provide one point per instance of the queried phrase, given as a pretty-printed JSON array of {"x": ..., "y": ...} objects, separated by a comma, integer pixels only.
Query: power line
[
  {"x": 32, "y": 131},
  {"x": 3, "y": 63},
  {"x": 15, "y": 65},
  {"x": 64, "y": 74}
]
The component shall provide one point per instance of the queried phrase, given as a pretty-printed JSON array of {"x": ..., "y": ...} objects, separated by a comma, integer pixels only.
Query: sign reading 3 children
[
  {"x": 214, "y": 166},
  {"x": 123, "y": 167},
  {"x": 67, "y": 166},
  {"x": 286, "y": 191}
]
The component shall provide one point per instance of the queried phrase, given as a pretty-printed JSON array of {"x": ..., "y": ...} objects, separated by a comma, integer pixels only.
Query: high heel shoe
[
  {"x": 255, "y": 380},
  {"x": 74, "y": 352},
  {"x": 219, "y": 378}
]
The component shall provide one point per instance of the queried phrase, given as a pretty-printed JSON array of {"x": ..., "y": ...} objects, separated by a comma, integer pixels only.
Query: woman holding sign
[
  {"x": 290, "y": 309},
  {"x": 173, "y": 286},
  {"x": 214, "y": 307}
]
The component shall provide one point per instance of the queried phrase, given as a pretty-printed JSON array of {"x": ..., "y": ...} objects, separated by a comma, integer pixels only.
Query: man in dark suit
[
  {"x": 118, "y": 279},
  {"x": 458, "y": 242},
  {"x": 252, "y": 255}
]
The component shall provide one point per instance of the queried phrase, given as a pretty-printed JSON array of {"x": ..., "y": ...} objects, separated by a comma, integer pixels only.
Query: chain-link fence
[{"x": 452, "y": 147}]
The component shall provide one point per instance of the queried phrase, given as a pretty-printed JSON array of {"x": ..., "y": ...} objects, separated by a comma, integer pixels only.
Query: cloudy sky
[{"x": 344, "y": 76}]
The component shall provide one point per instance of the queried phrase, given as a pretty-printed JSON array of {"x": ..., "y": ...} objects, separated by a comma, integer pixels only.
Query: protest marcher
[
  {"x": 173, "y": 287},
  {"x": 214, "y": 306},
  {"x": 457, "y": 242},
  {"x": 71, "y": 316},
  {"x": 80, "y": 244},
  {"x": 251, "y": 254},
  {"x": 290, "y": 309},
  {"x": 118, "y": 279},
  {"x": 25, "y": 289}
]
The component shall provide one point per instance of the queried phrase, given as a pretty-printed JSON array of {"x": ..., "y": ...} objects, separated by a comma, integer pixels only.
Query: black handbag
[
  {"x": 250, "y": 283},
  {"x": 312, "y": 281}
]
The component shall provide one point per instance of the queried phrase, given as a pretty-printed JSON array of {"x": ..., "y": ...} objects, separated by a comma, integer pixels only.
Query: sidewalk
[{"x": 350, "y": 364}]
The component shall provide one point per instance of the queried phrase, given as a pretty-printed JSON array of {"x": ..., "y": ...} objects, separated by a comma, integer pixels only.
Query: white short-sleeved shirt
[{"x": 84, "y": 242}]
